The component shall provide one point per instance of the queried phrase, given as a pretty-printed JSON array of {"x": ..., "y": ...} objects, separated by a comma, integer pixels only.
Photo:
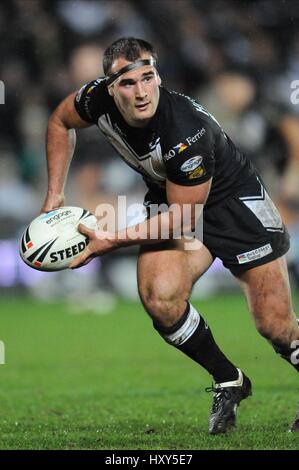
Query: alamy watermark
[
  {"x": 295, "y": 354},
  {"x": 294, "y": 97},
  {"x": 2, "y": 92},
  {"x": 155, "y": 222},
  {"x": 2, "y": 353}
]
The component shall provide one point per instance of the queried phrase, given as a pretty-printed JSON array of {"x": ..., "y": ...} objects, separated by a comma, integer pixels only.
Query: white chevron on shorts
[{"x": 264, "y": 209}]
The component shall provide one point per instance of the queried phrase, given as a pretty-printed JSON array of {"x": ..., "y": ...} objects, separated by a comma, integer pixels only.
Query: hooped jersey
[{"x": 182, "y": 143}]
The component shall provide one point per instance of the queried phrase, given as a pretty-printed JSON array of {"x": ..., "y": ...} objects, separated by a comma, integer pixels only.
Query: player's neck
[{"x": 139, "y": 124}]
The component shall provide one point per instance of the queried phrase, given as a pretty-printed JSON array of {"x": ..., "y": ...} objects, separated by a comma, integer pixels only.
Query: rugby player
[{"x": 184, "y": 157}]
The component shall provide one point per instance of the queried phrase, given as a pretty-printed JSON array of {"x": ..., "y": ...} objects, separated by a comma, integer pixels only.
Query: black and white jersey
[{"x": 182, "y": 143}]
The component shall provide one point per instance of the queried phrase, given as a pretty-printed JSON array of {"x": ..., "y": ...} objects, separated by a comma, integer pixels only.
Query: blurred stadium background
[{"x": 237, "y": 58}]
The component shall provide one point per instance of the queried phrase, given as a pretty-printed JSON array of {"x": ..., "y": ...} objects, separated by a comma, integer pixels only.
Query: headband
[{"x": 134, "y": 65}]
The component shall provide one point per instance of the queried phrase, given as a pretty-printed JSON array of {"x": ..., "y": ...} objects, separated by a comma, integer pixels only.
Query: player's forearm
[
  {"x": 162, "y": 227},
  {"x": 60, "y": 148}
]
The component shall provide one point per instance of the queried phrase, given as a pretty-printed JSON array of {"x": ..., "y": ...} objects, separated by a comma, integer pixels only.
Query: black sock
[
  {"x": 290, "y": 354},
  {"x": 192, "y": 336}
]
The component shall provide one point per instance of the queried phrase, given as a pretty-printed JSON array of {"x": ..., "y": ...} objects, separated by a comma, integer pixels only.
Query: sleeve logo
[
  {"x": 179, "y": 148},
  {"x": 191, "y": 164}
]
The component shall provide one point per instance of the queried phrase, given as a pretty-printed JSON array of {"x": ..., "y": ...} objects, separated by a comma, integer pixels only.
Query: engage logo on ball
[{"x": 58, "y": 217}]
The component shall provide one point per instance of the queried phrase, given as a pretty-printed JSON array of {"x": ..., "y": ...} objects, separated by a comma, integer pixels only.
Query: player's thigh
[
  {"x": 169, "y": 270},
  {"x": 267, "y": 290}
]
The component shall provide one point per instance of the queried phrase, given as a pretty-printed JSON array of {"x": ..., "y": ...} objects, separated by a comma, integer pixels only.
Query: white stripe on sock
[{"x": 180, "y": 336}]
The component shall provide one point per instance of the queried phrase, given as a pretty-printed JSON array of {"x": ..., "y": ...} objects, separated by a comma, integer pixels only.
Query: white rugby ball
[{"x": 52, "y": 241}]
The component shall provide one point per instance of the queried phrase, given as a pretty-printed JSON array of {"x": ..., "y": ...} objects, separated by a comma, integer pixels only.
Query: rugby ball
[{"x": 52, "y": 241}]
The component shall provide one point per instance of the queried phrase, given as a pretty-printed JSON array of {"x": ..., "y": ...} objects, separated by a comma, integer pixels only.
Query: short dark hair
[{"x": 130, "y": 48}]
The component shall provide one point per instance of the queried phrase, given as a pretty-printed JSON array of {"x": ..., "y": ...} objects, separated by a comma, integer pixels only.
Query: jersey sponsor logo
[
  {"x": 179, "y": 148},
  {"x": 191, "y": 140},
  {"x": 255, "y": 254},
  {"x": 197, "y": 173},
  {"x": 191, "y": 164}
]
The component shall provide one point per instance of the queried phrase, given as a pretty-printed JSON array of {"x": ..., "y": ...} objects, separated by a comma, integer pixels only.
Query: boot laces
[{"x": 220, "y": 394}]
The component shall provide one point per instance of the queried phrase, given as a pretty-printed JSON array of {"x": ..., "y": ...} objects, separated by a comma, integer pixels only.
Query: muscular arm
[
  {"x": 60, "y": 145},
  {"x": 152, "y": 230}
]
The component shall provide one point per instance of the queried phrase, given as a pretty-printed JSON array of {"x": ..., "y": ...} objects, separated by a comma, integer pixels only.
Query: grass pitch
[{"x": 110, "y": 382}]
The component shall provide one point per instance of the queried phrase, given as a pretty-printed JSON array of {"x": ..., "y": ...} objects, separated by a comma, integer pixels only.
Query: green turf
[{"x": 110, "y": 382}]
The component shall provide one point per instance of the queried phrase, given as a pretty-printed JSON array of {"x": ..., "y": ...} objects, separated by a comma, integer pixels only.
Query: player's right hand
[{"x": 52, "y": 201}]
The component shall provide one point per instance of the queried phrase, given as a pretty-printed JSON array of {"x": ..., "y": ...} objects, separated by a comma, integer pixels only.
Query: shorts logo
[
  {"x": 191, "y": 164},
  {"x": 254, "y": 254}
]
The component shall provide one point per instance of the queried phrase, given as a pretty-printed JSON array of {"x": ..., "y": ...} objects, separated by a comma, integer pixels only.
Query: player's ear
[
  {"x": 111, "y": 91},
  {"x": 159, "y": 81}
]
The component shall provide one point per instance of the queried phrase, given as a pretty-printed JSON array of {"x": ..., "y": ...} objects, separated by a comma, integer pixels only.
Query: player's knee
[
  {"x": 158, "y": 305},
  {"x": 164, "y": 303},
  {"x": 277, "y": 334}
]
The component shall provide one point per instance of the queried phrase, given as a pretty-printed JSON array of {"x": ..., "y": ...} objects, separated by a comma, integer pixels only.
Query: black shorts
[{"x": 245, "y": 230}]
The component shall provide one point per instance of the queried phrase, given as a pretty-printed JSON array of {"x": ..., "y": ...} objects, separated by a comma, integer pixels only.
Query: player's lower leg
[
  {"x": 193, "y": 337},
  {"x": 291, "y": 354},
  {"x": 267, "y": 290}
]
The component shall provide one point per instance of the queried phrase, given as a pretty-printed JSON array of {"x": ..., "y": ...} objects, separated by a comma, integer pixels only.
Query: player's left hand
[{"x": 100, "y": 243}]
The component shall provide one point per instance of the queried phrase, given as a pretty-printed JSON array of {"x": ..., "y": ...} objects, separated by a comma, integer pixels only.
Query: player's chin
[{"x": 144, "y": 114}]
